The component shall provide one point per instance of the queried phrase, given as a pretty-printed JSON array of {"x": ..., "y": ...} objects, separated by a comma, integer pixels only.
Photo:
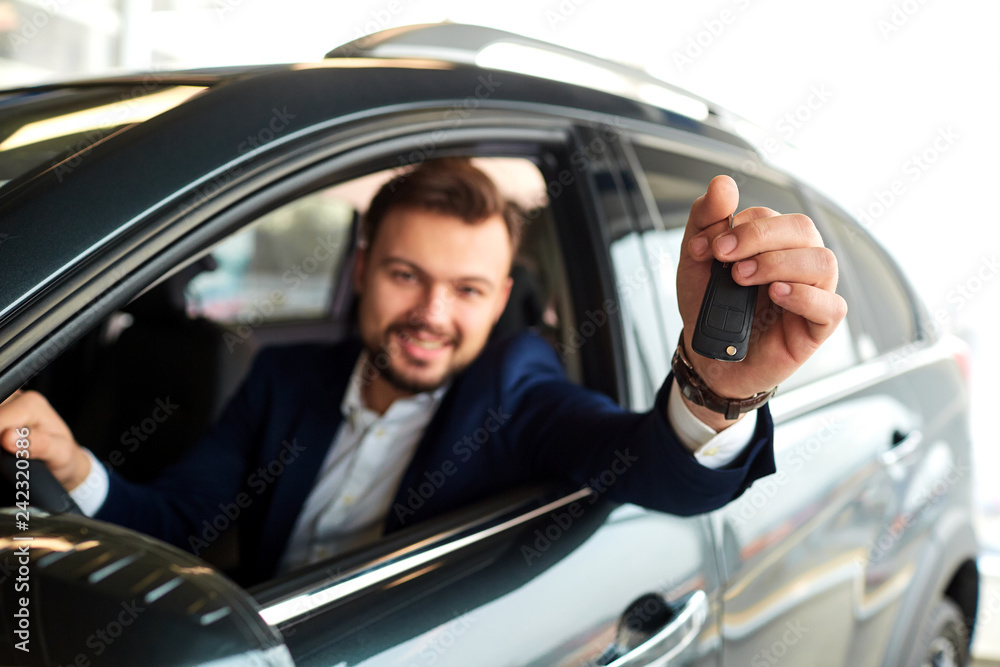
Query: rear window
[{"x": 40, "y": 129}]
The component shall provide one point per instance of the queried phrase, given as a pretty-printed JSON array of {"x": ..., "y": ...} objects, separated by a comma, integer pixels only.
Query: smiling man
[
  {"x": 325, "y": 448},
  {"x": 432, "y": 276}
]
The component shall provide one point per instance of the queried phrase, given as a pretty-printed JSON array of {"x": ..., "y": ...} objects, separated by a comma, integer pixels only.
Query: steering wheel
[{"x": 43, "y": 490}]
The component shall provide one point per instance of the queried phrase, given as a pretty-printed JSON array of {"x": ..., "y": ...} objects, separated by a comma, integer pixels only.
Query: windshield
[{"x": 45, "y": 128}]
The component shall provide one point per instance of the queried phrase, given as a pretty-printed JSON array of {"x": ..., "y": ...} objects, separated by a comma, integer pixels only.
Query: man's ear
[
  {"x": 503, "y": 298},
  {"x": 358, "y": 272}
]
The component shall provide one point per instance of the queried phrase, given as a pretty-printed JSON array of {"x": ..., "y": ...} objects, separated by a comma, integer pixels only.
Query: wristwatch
[{"x": 695, "y": 390}]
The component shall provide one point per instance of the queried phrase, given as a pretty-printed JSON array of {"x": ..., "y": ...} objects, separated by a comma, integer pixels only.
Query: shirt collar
[{"x": 353, "y": 407}]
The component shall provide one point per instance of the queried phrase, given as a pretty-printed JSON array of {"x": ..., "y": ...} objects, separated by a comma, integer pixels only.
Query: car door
[
  {"x": 926, "y": 541},
  {"x": 794, "y": 547}
]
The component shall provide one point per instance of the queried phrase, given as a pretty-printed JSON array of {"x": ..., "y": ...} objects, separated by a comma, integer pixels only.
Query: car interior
[{"x": 141, "y": 388}]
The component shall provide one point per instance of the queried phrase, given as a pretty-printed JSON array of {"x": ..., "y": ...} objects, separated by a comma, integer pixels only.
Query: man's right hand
[{"x": 50, "y": 438}]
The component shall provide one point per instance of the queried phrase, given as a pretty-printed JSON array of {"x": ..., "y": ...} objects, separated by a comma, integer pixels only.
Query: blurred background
[{"x": 887, "y": 105}]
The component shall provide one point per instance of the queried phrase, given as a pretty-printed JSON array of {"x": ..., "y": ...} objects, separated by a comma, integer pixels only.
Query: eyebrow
[{"x": 416, "y": 269}]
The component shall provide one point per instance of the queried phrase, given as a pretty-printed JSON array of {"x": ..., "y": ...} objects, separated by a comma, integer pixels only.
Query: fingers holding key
[
  {"x": 765, "y": 246},
  {"x": 819, "y": 313},
  {"x": 809, "y": 266},
  {"x": 755, "y": 232}
]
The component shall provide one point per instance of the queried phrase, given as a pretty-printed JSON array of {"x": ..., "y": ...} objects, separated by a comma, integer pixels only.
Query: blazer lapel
[{"x": 310, "y": 435}]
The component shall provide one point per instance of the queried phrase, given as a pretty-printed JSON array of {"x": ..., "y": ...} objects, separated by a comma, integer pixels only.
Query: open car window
[{"x": 160, "y": 370}]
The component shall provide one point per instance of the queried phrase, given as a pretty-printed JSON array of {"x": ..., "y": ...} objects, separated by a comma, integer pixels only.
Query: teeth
[{"x": 428, "y": 344}]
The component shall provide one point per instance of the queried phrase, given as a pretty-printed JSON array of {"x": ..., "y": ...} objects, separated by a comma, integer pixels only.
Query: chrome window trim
[
  {"x": 295, "y": 607},
  {"x": 857, "y": 378}
]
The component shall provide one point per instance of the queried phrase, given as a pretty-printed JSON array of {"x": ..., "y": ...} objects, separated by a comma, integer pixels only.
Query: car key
[{"x": 726, "y": 316}]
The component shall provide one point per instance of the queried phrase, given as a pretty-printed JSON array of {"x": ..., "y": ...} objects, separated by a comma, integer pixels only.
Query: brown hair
[{"x": 451, "y": 186}]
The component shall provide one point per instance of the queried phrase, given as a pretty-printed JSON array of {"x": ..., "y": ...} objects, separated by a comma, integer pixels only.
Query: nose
[{"x": 435, "y": 307}]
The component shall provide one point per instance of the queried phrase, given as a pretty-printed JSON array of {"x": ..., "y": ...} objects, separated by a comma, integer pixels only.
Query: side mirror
[{"x": 77, "y": 591}]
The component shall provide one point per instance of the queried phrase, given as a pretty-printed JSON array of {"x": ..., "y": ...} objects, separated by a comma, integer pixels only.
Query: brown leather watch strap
[{"x": 695, "y": 390}]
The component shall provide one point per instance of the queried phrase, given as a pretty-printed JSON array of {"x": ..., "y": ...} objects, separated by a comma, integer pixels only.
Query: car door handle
[
  {"x": 667, "y": 643},
  {"x": 903, "y": 442}
]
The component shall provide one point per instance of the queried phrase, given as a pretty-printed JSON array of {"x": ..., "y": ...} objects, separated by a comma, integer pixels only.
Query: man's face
[{"x": 431, "y": 288}]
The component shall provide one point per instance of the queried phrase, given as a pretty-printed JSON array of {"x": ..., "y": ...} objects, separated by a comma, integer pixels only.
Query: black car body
[{"x": 859, "y": 551}]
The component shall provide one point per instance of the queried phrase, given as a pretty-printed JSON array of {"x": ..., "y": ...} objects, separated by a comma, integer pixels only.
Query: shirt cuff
[
  {"x": 93, "y": 491},
  {"x": 712, "y": 449}
]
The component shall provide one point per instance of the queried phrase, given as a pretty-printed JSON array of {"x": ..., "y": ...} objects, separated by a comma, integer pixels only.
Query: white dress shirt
[
  {"x": 370, "y": 453},
  {"x": 360, "y": 475}
]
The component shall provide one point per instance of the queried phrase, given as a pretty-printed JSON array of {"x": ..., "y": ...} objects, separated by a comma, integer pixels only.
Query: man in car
[{"x": 325, "y": 448}]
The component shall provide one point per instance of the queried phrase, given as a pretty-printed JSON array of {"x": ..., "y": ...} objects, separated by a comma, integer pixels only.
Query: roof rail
[{"x": 499, "y": 49}]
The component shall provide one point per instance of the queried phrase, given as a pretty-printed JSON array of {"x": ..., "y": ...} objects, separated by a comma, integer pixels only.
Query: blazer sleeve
[
  {"x": 564, "y": 430},
  {"x": 198, "y": 487}
]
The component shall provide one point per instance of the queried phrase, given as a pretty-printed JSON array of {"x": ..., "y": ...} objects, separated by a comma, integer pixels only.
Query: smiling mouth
[
  {"x": 423, "y": 341},
  {"x": 427, "y": 344}
]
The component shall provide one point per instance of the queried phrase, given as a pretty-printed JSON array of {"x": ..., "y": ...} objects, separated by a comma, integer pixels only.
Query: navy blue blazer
[{"x": 510, "y": 418}]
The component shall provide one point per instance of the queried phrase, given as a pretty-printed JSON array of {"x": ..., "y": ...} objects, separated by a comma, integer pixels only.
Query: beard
[{"x": 381, "y": 358}]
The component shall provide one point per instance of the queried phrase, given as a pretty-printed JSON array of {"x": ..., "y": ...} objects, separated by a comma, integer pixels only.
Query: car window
[
  {"x": 187, "y": 342},
  {"x": 280, "y": 268},
  {"x": 674, "y": 181},
  {"x": 893, "y": 321}
]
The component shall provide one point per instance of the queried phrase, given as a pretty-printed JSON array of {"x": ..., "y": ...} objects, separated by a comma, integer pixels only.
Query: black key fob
[{"x": 726, "y": 317}]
